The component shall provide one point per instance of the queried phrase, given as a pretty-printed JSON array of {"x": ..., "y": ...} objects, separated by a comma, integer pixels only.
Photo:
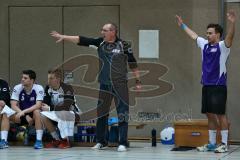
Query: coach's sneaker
[
  {"x": 99, "y": 146},
  {"x": 38, "y": 144},
  {"x": 207, "y": 147},
  {"x": 3, "y": 144},
  {"x": 122, "y": 148},
  {"x": 222, "y": 148}
]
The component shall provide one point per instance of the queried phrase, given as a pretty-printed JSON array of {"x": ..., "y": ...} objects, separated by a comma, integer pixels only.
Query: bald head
[
  {"x": 109, "y": 32},
  {"x": 112, "y": 26}
]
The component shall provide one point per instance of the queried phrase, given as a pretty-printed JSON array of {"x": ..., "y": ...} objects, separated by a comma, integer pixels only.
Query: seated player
[
  {"x": 60, "y": 110},
  {"x": 4, "y": 95},
  {"x": 26, "y": 101}
]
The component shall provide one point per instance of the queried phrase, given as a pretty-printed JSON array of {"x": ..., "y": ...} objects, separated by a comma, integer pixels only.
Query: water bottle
[
  {"x": 26, "y": 142},
  {"x": 154, "y": 138},
  {"x": 76, "y": 137},
  {"x": 84, "y": 134}
]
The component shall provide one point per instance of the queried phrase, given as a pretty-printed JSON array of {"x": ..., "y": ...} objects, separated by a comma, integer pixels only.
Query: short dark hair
[
  {"x": 217, "y": 27},
  {"x": 30, "y": 73},
  {"x": 57, "y": 72}
]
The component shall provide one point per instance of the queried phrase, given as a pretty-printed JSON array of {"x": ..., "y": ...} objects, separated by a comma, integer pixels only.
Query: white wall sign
[{"x": 148, "y": 44}]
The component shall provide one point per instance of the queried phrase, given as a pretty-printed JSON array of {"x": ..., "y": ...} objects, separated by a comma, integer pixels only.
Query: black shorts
[
  {"x": 23, "y": 119},
  {"x": 54, "y": 122},
  {"x": 214, "y": 99}
]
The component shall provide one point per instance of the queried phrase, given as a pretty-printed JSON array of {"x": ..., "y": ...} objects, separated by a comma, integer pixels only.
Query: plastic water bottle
[
  {"x": 76, "y": 137},
  {"x": 26, "y": 142},
  {"x": 84, "y": 134},
  {"x": 154, "y": 138}
]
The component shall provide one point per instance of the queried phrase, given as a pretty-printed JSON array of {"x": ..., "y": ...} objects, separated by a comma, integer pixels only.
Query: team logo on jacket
[
  {"x": 32, "y": 99},
  {"x": 116, "y": 51}
]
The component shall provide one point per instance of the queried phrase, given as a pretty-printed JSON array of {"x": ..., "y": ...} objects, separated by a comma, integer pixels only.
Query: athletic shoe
[
  {"x": 64, "y": 144},
  {"x": 222, "y": 148},
  {"x": 207, "y": 147},
  {"x": 99, "y": 146},
  {"x": 3, "y": 144},
  {"x": 38, "y": 144},
  {"x": 53, "y": 144},
  {"x": 122, "y": 148}
]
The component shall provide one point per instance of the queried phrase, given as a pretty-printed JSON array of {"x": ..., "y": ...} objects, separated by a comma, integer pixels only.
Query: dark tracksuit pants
[{"x": 107, "y": 92}]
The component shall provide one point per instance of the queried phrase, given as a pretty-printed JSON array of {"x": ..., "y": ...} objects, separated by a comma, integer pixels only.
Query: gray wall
[{"x": 25, "y": 43}]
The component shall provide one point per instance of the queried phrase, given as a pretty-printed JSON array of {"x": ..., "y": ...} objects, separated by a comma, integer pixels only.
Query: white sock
[
  {"x": 55, "y": 135},
  {"x": 224, "y": 134},
  {"x": 39, "y": 134},
  {"x": 4, "y": 135},
  {"x": 212, "y": 136}
]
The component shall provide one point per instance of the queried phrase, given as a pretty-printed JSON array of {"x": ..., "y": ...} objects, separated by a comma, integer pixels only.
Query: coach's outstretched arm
[
  {"x": 189, "y": 32},
  {"x": 60, "y": 37},
  {"x": 231, "y": 17}
]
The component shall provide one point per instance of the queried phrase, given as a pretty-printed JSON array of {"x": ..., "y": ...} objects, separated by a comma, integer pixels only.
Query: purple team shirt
[
  {"x": 27, "y": 100},
  {"x": 214, "y": 57}
]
